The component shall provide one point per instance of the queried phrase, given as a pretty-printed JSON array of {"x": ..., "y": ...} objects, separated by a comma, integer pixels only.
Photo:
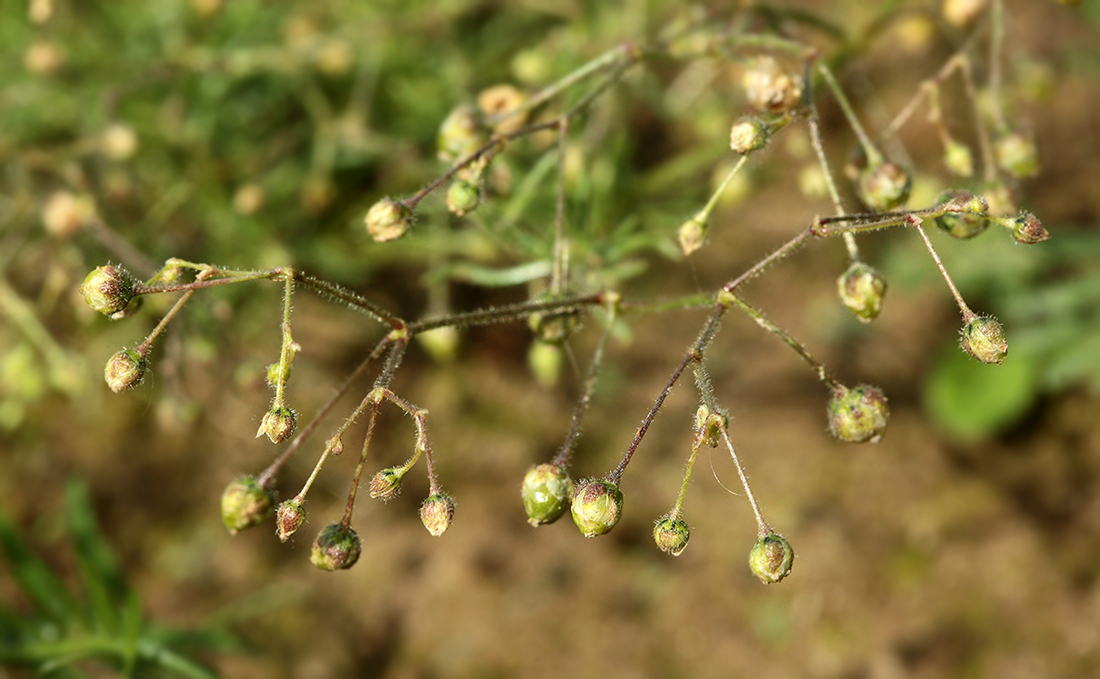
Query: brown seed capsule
[
  {"x": 108, "y": 289},
  {"x": 386, "y": 483},
  {"x": 278, "y": 423},
  {"x": 337, "y": 547},
  {"x": 769, "y": 87},
  {"x": 436, "y": 513},
  {"x": 289, "y": 517},
  {"x": 597, "y": 507},
  {"x": 124, "y": 370}
]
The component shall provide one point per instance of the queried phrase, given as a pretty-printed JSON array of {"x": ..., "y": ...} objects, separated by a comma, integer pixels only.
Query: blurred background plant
[{"x": 256, "y": 134}]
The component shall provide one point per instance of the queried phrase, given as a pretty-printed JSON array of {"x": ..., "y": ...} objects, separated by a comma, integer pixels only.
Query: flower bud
[
  {"x": 771, "y": 558},
  {"x": 1016, "y": 153},
  {"x": 386, "y": 483},
  {"x": 748, "y": 134},
  {"x": 966, "y": 216},
  {"x": 463, "y": 196},
  {"x": 692, "y": 233},
  {"x": 958, "y": 158},
  {"x": 861, "y": 288},
  {"x": 858, "y": 414},
  {"x": 884, "y": 186},
  {"x": 597, "y": 507},
  {"x": 278, "y": 424},
  {"x": 124, "y": 370},
  {"x": 245, "y": 503},
  {"x": 337, "y": 547},
  {"x": 387, "y": 220},
  {"x": 769, "y": 87},
  {"x": 984, "y": 339},
  {"x": 108, "y": 289},
  {"x": 546, "y": 492},
  {"x": 1027, "y": 229},
  {"x": 436, "y": 513},
  {"x": 671, "y": 535},
  {"x": 460, "y": 134},
  {"x": 289, "y": 517}
]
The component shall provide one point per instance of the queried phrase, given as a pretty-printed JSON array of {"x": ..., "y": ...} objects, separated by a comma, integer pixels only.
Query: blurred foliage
[{"x": 59, "y": 630}]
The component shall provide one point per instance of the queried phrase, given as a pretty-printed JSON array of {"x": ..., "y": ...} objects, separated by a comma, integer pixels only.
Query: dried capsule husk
[
  {"x": 771, "y": 558},
  {"x": 289, "y": 517},
  {"x": 278, "y": 423},
  {"x": 386, "y": 483},
  {"x": 692, "y": 233},
  {"x": 463, "y": 196},
  {"x": 858, "y": 414},
  {"x": 862, "y": 288},
  {"x": 387, "y": 220},
  {"x": 884, "y": 186},
  {"x": 245, "y": 503},
  {"x": 671, "y": 534},
  {"x": 108, "y": 289},
  {"x": 436, "y": 513},
  {"x": 984, "y": 339},
  {"x": 337, "y": 547},
  {"x": 597, "y": 506},
  {"x": 770, "y": 87},
  {"x": 1027, "y": 229},
  {"x": 1016, "y": 153},
  {"x": 546, "y": 492},
  {"x": 967, "y": 215}
]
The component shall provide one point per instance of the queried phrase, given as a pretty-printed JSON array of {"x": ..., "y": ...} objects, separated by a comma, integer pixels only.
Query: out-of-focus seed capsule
[
  {"x": 108, "y": 289},
  {"x": 546, "y": 493},
  {"x": 671, "y": 534},
  {"x": 436, "y": 513},
  {"x": 245, "y": 503},
  {"x": 1016, "y": 153},
  {"x": 771, "y": 558},
  {"x": 967, "y": 215},
  {"x": 749, "y": 133},
  {"x": 984, "y": 339},
  {"x": 460, "y": 134},
  {"x": 692, "y": 233},
  {"x": 124, "y": 370},
  {"x": 861, "y": 289},
  {"x": 597, "y": 507},
  {"x": 958, "y": 158},
  {"x": 289, "y": 517},
  {"x": 278, "y": 423},
  {"x": 769, "y": 87},
  {"x": 387, "y": 220},
  {"x": 858, "y": 414},
  {"x": 463, "y": 196},
  {"x": 337, "y": 547},
  {"x": 884, "y": 186}
]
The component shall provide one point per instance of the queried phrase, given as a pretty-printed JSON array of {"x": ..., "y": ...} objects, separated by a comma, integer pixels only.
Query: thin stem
[
  {"x": 288, "y": 347},
  {"x": 679, "y": 506},
  {"x": 762, "y": 526},
  {"x": 779, "y": 253},
  {"x": 561, "y": 246},
  {"x": 874, "y": 156},
  {"x": 834, "y": 193},
  {"x": 346, "y": 521},
  {"x": 996, "y": 55},
  {"x": 789, "y": 340},
  {"x": 967, "y": 314},
  {"x": 144, "y": 347},
  {"x": 503, "y": 314}
]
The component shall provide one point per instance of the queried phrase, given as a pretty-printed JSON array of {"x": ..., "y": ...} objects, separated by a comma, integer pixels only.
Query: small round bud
[
  {"x": 546, "y": 492},
  {"x": 436, "y": 513},
  {"x": 108, "y": 289},
  {"x": 275, "y": 374},
  {"x": 884, "y": 186},
  {"x": 771, "y": 558},
  {"x": 671, "y": 535},
  {"x": 124, "y": 370},
  {"x": 278, "y": 424},
  {"x": 769, "y": 87},
  {"x": 463, "y": 197},
  {"x": 460, "y": 134},
  {"x": 861, "y": 288},
  {"x": 337, "y": 547},
  {"x": 245, "y": 503},
  {"x": 692, "y": 233},
  {"x": 748, "y": 134},
  {"x": 858, "y": 414},
  {"x": 1027, "y": 229},
  {"x": 597, "y": 507},
  {"x": 958, "y": 158},
  {"x": 387, "y": 220},
  {"x": 966, "y": 216},
  {"x": 386, "y": 483},
  {"x": 289, "y": 517},
  {"x": 984, "y": 339},
  {"x": 1016, "y": 153}
]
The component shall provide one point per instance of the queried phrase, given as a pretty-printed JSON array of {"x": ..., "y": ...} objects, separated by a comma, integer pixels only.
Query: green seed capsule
[
  {"x": 597, "y": 507},
  {"x": 861, "y": 289},
  {"x": 671, "y": 535},
  {"x": 884, "y": 186},
  {"x": 337, "y": 547},
  {"x": 771, "y": 558},
  {"x": 108, "y": 289},
  {"x": 387, "y": 220},
  {"x": 124, "y": 370},
  {"x": 245, "y": 503},
  {"x": 984, "y": 339},
  {"x": 547, "y": 492},
  {"x": 967, "y": 216},
  {"x": 858, "y": 414}
]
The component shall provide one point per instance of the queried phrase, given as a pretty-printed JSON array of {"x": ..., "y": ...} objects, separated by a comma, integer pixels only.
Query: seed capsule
[
  {"x": 337, "y": 547},
  {"x": 769, "y": 87},
  {"x": 858, "y": 414},
  {"x": 463, "y": 197},
  {"x": 771, "y": 558},
  {"x": 108, "y": 289},
  {"x": 546, "y": 492},
  {"x": 436, "y": 513},
  {"x": 967, "y": 216},
  {"x": 862, "y": 288},
  {"x": 386, "y": 483},
  {"x": 1016, "y": 153},
  {"x": 278, "y": 424},
  {"x": 124, "y": 370},
  {"x": 984, "y": 339},
  {"x": 387, "y": 220},
  {"x": 1027, "y": 229},
  {"x": 748, "y": 134},
  {"x": 597, "y": 507},
  {"x": 884, "y": 186},
  {"x": 289, "y": 517},
  {"x": 245, "y": 503},
  {"x": 671, "y": 535}
]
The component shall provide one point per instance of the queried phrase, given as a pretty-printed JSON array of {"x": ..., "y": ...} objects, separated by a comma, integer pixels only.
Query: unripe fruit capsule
[
  {"x": 547, "y": 492},
  {"x": 862, "y": 288},
  {"x": 436, "y": 513},
  {"x": 124, "y": 370},
  {"x": 671, "y": 535},
  {"x": 337, "y": 547},
  {"x": 597, "y": 507},
  {"x": 858, "y": 414},
  {"x": 984, "y": 339},
  {"x": 108, "y": 289},
  {"x": 245, "y": 503},
  {"x": 771, "y": 558}
]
